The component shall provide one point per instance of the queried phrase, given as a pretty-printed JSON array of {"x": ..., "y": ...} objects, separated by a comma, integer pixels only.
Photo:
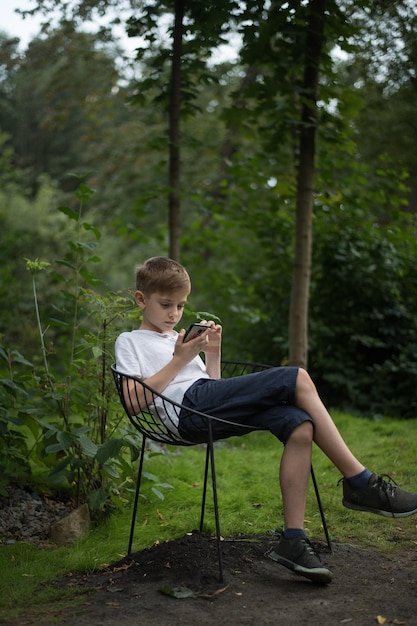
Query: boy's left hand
[{"x": 214, "y": 338}]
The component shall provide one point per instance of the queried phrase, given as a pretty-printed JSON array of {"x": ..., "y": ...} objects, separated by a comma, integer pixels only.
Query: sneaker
[
  {"x": 300, "y": 557},
  {"x": 381, "y": 496}
]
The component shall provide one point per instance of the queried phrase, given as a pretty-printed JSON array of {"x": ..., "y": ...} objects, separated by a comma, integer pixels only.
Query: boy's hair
[{"x": 161, "y": 274}]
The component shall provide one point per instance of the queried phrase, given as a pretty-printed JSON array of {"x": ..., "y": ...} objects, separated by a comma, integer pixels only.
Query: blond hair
[{"x": 161, "y": 274}]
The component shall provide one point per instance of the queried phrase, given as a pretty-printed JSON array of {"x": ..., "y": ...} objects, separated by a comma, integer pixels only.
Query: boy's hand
[
  {"x": 212, "y": 350},
  {"x": 188, "y": 350},
  {"x": 214, "y": 339},
  {"x": 208, "y": 342}
]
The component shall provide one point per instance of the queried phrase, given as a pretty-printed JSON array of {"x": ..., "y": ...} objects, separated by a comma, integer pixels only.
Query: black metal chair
[{"x": 145, "y": 417}]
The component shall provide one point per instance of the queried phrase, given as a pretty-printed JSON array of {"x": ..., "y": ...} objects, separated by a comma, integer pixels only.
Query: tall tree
[
  {"x": 63, "y": 99},
  {"x": 281, "y": 39},
  {"x": 174, "y": 202},
  {"x": 298, "y": 322}
]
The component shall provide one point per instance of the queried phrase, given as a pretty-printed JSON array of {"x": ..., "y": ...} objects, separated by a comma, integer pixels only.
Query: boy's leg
[
  {"x": 294, "y": 550},
  {"x": 260, "y": 401},
  {"x": 362, "y": 490},
  {"x": 326, "y": 434},
  {"x": 294, "y": 475}
]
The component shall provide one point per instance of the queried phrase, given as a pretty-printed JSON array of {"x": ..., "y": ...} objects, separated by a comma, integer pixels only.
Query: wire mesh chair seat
[{"x": 156, "y": 416}]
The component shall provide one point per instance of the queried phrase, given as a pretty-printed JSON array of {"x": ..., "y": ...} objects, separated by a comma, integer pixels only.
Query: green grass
[{"x": 249, "y": 500}]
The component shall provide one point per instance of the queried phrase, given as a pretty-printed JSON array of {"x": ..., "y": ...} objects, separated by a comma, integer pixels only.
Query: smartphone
[{"x": 194, "y": 331}]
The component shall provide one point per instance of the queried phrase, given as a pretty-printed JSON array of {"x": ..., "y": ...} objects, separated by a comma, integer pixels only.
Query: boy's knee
[
  {"x": 302, "y": 434},
  {"x": 304, "y": 382}
]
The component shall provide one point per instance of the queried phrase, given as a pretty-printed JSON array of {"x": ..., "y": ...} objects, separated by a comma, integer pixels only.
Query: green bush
[
  {"x": 14, "y": 417},
  {"x": 363, "y": 321},
  {"x": 60, "y": 419}
]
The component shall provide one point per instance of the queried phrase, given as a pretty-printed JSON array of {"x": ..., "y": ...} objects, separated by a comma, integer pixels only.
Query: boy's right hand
[{"x": 190, "y": 349}]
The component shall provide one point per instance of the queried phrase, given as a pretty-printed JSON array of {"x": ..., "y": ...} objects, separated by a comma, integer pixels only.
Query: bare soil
[{"x": 177, "y": 584}]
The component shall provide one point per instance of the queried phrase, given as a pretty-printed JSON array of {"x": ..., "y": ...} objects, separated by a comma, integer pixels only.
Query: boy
[{"x": 282, "y": 400}]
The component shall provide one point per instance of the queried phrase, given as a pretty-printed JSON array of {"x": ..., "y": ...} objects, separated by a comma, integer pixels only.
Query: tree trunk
[
  {"x": 298, "y": 322},
  {"x": 174, "y": 200}
]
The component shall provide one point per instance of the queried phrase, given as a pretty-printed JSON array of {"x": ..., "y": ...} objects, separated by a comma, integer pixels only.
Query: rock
[
  {"x": 27, "y": 516},
  {"x": 72, "y": 527}
]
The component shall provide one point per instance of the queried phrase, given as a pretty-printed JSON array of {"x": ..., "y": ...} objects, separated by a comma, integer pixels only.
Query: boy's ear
[{"x": 140, "y": 299}]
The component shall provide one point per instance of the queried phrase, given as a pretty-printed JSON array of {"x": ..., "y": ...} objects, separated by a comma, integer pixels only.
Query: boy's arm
[
  {"x": 208, "y": 342},
  {"x": 183, "y": 354}
]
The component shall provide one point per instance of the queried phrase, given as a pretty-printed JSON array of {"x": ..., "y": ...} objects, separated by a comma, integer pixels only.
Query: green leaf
[
  {"x": 111, "y": 469},
  {"x": 89, "y": 447},
  {"x": 31, "y": 423},
  {"x": 176, "y": 592},
  {"x": 49, "y": 427},
  {"x": 36, "y": 265},
  {"x": 150, "y": 476},
  {"x": 73, "y": 215},
  {"x": 62, "y": 465},
  {"x": 14, "y": 420},
  {"x": 82, "y": 430},
  {"x": 9, "y": 385},
  {"x": 18, "y": 358},
  {"x": 97, "y": 498},
  {"x": 64, "y": 439},
  {"x": 91, "y": 228},
  {"x": 158, "y": 493},
  {"x": 109, "y": 450},
  {"x": 66, "y": 264},
  {"x": 63, "y": 442},
  {"x": 55, "y": 447},
  {"x": 84, "y": 192}
]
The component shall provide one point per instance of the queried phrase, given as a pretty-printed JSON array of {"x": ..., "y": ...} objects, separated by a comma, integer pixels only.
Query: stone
[
  {"x": 28, "y": 516},
  {"x": 72, "y": 527}
]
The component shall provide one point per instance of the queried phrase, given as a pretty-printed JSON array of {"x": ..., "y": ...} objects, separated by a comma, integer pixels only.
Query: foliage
[
  {"x": 59, "y": 414},
  {"x": 56, "y": 112},
  {"x": 14, "y": 415},
  {"x": 364, "y": 327},
  {"x": 238, "y": 184}
]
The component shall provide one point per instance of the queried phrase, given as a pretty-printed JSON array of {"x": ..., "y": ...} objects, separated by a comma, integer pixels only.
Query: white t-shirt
[{"x": 142, "y": 353}]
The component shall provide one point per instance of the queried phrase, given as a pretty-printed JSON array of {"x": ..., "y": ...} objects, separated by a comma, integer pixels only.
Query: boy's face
[{"x": 161, "y": 311}]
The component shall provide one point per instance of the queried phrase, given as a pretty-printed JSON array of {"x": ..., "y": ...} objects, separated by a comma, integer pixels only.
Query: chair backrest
[
  {"x": 155, "y": 415},
  {"x": 240, "y": 368},
  {"x": 146, "y": 414}
]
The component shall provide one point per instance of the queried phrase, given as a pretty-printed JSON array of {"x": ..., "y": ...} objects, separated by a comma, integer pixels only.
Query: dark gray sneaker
[
  {"x": 382, "y": 496},
  {"x": 300, "y": 557}
]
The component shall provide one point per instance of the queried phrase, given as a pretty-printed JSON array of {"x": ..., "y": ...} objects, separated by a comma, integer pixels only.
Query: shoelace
[
  {"x": 388, "y": 486},
  {"x": 310, "y": 548}
]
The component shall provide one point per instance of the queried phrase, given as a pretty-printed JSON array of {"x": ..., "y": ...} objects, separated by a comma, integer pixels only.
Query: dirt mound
[{"x": 176, "y": 584}]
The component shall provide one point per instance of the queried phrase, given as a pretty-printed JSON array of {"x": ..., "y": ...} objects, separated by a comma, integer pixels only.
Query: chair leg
[
  {"x": 135, "y": 504},
  {"x": 215, "y": 502},
  {"x": 210, "y": 460},
  {"x": 203, "y": 501},
  {"x": 323, "y": 518}
]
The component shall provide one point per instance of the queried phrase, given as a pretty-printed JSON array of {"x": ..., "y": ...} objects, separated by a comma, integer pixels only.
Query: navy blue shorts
[{"x": 260, "y": 401}]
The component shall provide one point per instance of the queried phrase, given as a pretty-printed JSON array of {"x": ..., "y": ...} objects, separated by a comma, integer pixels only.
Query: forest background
[{"x": 93, "y": 181}]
